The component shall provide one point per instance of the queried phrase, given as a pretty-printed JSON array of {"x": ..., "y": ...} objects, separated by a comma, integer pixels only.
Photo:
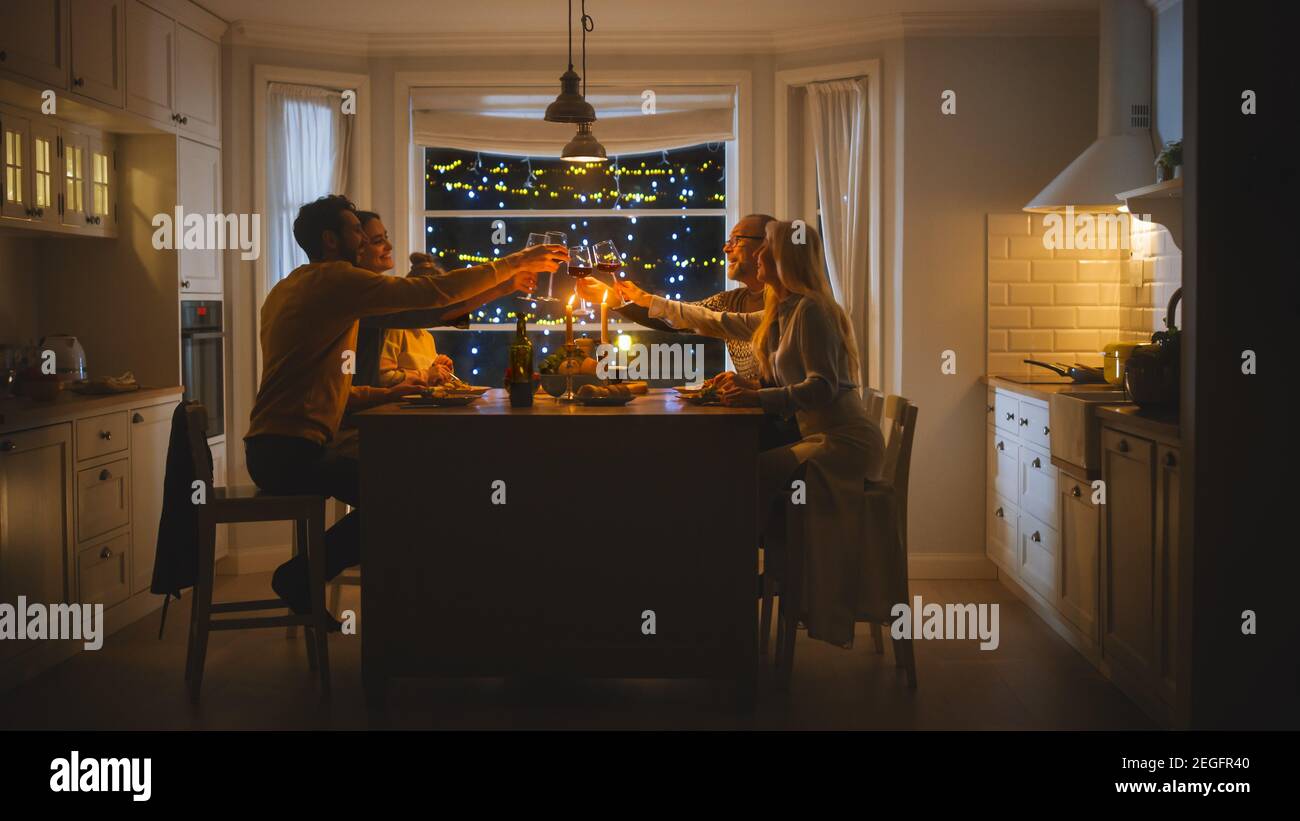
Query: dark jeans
[{"x": 288, "y": 465}]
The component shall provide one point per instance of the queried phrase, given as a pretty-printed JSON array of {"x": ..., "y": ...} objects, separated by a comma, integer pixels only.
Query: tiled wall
[
  {"x": 1065, "y": 305},
  {"x": 1054, "y": 305}
]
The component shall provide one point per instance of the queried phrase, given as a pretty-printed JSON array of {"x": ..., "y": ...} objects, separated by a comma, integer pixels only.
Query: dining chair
[
  {"x": 230, "y": 504},
  {"x": 887, "y": 502}
]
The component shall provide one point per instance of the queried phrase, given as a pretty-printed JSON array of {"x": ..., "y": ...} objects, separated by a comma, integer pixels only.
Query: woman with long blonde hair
[{"x": 807, "y": 357}]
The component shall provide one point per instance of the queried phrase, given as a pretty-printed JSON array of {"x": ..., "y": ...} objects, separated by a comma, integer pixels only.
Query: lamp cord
[{"x": 587, "y": 25}]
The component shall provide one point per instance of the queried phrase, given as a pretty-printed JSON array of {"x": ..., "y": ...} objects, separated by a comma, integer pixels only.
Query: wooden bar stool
[{"x": 248, "y": 504}]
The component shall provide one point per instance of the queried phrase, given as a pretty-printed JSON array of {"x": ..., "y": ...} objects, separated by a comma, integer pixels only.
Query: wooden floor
[{"x": 259, "y": 680}]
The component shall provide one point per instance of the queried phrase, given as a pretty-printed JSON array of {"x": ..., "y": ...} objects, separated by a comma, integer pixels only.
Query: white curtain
[
  {"x": 308, "y": 139},
  {"x": 632, "y": 120},
  {"x": 837, "y": 119}
]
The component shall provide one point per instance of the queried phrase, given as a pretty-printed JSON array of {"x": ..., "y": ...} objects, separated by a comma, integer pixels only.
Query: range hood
[{"x": 1122, "y": 158}]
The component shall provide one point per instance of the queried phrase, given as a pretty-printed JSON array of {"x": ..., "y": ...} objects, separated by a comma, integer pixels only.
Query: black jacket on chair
[{"x": 176, "y": 559}]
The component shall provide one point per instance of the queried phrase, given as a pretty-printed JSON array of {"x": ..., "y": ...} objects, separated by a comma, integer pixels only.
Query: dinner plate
[
  {"x": 606, "y": 401},
  {"x": 416, "y": 400}
]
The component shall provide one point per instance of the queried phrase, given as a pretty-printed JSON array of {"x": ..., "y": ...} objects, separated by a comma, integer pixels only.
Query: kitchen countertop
[
  {"x": 22, "y": 413},
  {"x": 1044, "y": 390},
  {"x": 1160, "y": 425}
]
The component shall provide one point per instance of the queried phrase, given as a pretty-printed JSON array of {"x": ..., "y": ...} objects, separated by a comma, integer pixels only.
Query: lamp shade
[
  {"x": 570, "y": 106},
  {"x": 584, "y": 147}
]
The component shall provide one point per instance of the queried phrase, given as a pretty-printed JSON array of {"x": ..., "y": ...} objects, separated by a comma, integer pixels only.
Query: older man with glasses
[{"x": 741, "y": 250}]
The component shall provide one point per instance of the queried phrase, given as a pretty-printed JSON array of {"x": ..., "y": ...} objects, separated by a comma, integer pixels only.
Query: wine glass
[
  {"x": 535, "y": 239},
  {"x": 608, "y": 262},
  {"x": 557, "y": 238}
]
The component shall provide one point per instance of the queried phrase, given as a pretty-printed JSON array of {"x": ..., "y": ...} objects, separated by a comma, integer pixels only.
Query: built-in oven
[{"x": 203, "y": 342}]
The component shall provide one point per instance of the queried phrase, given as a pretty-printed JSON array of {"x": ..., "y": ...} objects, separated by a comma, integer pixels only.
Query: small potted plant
[{"x": 1169, "y": 165}]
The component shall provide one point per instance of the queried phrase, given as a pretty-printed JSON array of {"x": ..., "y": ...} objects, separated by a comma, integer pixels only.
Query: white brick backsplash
[
  {"x": 1030, "y": 340},
  {"x": 1036, "y": 226},
  {"x": 1092, "y": 358},
  {"x": 1132, "y": 272},
  {"x": 997, "y": 293},
  {"x": 1008, "y": 270},
  {"x": 1108, "y": 294},
  {"x": 1054, "y": 270},
  {"x": 1029, "y": 248},
  {"x": 1148, "y": 270},
  {"x": 1168, "y": 269},
  {"x": 1008, "y": 317},
  {"x": 1012, "y": 224},
  {"x": 997, "y": 247},
  {"x": 1058, "y": 317},
  {"x": 1099, "y": 271},
  {"x": 1088, "y": 294},
  {"x": 997, "y": 340},
  {"x": 1078, "y": 341},
  {"x": 1026, "y": 294},
  {"x": 1008, "y": 363},
  {"x": 1104, "y": 317}
]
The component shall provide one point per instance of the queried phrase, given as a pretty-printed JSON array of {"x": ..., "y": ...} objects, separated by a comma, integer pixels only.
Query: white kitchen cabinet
[
  {"x": 1076, "y": 592},
  {"x": 1006, "y": 410},
  {"x": 1034, "y": 427},
  {"x": 1128, "y": 633},
  {"x": 150, "y": 432},
  {"x": 103, "y": 575},
  {"x": 76, "y": 148},
  {"x": 1001, "y": 534},
  {"x": 45, "y": 177},
  {"x": 35, "y": 518},
  {"x": 198, "y": 85},
  {"x": 103, "y": 498},
  {"x": 1004, "y": 466},
  {"x": 1037, "y": 485},
  {"x": 150, "y": 50},
  {"x": 98, "y": 52},
  {"x": 101, "y": 185},
  {"x": 198, "y": 183},
  {"x": 34, "y": 40},
  {"x": 17, "y": 133},
  {"x": 1038, "y": 555}
]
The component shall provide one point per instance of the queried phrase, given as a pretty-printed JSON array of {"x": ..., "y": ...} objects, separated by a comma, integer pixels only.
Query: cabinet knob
[
  {"x": 185, "y": 120},
  {"x": 1024, "y": 423},
  {"x": 106, "y": 553},
  {"x": 40, "y": 212},
  {"x": 105, "y": 435},
  {"x": 176, "y": 117},
  {"x": 104, "y": 475},
  {"x": 990, "y": 407},
  {"x": 999, "y": 513},
  {"x": 1010, "y": 416},
  {"x": 136, "y": 418},
  {"x": 78, "y": 82},
  {"x": 185, "y": 283},
  {"x": 1037, "y": 462},
  {"x": 7, "y": 446},
  {"x": 90, "y": 220},
  {"x": 1036, "y": 537},
  {"x": 1002, "y": 445},
  {"x": 1123, "y": 446},
  {"x": 1046, "y": 430},
  {"x": 1075, "y": 492},
  {"x": 1170, "y": 459}
]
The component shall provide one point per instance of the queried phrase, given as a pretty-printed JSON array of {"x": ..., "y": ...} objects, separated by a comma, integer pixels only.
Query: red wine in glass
[{"x": 578, "y": 271}]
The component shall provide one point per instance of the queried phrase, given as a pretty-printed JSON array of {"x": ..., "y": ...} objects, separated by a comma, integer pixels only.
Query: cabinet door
[
  {"x": 1038, "y": 555},
  {"x": 73, "y": 207},
  {"x": 18, "y": 166},
  {"x": 1038, "y": 486},
  {"x": 101, "y": 185},
  {"x": 150, "y": 46},
  {"x": 1004, "y": 466},
  {"x": 103, "y": 499},
  {"x": 1034, "y": 428},
  {"x": 1128, "y": 628},
  {"x": 1076, "y": 591},
  {"x": 46, "y": 175},
  {"x": 198, "y": 83},
  {"x": 150, "y": 432},
  {"x": 103, "y": 575},
  {"x": 1166, "y": 594},
  {"x": 198, "y": 183},
  {"x": 35, "y": 518},
  {"x": 98, "y": 33},
  {"x": 1001, "y": 536},
  {"x": 34, "y": 40}
]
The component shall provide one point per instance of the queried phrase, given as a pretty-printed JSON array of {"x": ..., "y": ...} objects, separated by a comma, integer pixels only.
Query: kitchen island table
[{"x": 559, "y": 539}]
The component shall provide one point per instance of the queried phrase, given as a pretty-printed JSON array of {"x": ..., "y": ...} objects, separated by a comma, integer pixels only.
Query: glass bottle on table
[{"x": 520, "y": 371}]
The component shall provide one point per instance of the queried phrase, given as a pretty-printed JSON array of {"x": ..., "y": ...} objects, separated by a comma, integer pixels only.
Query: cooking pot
[
  {"x": 1151, "y": 373},
  {"x": 1113, "y": 358}
]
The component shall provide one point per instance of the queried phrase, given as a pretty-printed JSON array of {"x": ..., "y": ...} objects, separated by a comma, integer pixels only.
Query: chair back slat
[
  {"x": 874, "y": 401},
  {"x": 899, "y": 426}
]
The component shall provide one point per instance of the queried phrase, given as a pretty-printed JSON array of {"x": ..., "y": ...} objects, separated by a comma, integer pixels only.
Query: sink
[{"x": 1076, "y": 433}]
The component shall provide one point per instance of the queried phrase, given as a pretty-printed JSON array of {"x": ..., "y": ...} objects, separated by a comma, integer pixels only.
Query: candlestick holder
[{"x": 571, "y": 354}]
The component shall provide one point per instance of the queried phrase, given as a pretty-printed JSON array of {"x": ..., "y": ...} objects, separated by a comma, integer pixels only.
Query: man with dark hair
[
  {"x": 308, "y": 337},
  {"x": 741, "y": 250}
]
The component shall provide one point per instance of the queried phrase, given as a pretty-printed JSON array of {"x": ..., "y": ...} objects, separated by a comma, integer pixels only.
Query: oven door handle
[{"x": 202, "y": 334}]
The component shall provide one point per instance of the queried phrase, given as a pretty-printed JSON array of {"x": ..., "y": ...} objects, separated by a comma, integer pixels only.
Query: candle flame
[
  {"x": 605, "y": 298},
  {"x": 569, "y": 304}
]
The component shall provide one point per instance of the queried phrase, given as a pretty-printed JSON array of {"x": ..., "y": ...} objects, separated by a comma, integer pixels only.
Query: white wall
[
  {"x": 1167, "y": 74},
  {"x": 18, "y": 273}
]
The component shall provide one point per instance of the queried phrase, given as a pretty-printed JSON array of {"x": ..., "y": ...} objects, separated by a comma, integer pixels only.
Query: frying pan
[{"x": 1075, "y": 372}]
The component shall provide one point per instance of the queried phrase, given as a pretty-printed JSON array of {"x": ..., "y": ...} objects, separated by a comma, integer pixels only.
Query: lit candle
[
  {"x": 604, "y": 318},
  {"x": 568, "y": 320}
]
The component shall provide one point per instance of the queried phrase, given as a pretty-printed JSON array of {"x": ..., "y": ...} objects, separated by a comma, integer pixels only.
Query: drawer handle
[
  {"x": 1037, "y": 462},
  {"x": 185, "y": 120},
  {"x": 1036, "y": 537},
  {"x": 1170, "y": 460},
  {"x": 1046, "y": 430},
  {"x": 999, "y": 513},
  {"x": 990, "y": 408},
  {"x": 1075, "y": 493},
  {"x": 1002, "y": 445},
  {"x": 1024, "y": 422},
  {"x": 104, "y": 475},
  {"x": 106, "y": 553},
  {"x": 136, "y": 418},
  {"x": 185, "y": 283},
  {"x": 106, "y": 435},
  {"x": 1010, "y": 416},
  {"x": 7, "y": 446},
  {"x": 1123, "y": 446}
]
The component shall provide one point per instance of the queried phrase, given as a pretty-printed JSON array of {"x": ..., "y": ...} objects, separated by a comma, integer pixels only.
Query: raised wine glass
[{"x": 608, "y": 263}]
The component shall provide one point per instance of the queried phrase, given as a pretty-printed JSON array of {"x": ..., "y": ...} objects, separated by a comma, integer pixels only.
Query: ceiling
[{"x": 624, "y": 16}]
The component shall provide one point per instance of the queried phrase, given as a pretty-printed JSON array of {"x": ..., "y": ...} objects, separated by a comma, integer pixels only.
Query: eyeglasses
[{"x": 732, "y": 240}]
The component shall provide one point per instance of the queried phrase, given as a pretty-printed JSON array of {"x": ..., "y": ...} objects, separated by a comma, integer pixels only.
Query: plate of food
[
  {"x": 705, "y": 394},
  {"x": 443, "y": 397},
  {"x": 605, "y": 395}
]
